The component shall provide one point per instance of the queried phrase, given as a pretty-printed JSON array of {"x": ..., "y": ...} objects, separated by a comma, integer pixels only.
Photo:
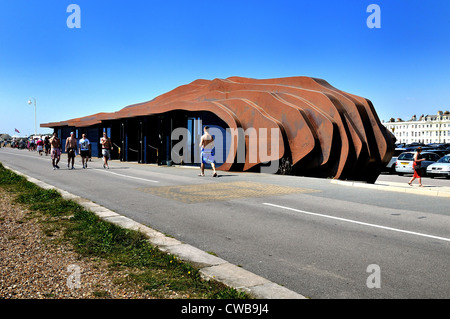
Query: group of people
[
  {"x": 83, "y": 146},
  {"x": 43, "y": 145},
  {"x": 40, "y": 145},
  {"x": 53, "y": 147}
]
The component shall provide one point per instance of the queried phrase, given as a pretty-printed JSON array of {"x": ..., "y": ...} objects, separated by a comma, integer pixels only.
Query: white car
[
  {"x": 390, "y": 167},
  {"x": 440, "y": 168},
  {"x": 404, "y": 164}
]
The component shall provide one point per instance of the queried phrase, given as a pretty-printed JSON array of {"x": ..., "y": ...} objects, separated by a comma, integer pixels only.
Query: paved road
[{"x": 314, "y": 237}]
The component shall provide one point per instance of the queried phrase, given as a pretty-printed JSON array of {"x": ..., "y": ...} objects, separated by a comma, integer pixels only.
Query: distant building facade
[{"x": 426, "y": 129}]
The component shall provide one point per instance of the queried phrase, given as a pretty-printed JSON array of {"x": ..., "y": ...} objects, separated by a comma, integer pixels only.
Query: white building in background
[{"x": 426, "y": 129}]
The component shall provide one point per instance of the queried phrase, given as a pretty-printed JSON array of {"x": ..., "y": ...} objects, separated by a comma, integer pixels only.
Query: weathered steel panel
[{"x": 322, "y": 131}]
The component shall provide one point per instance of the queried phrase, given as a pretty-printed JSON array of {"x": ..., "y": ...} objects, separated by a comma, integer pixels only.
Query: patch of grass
[
  {"x": 149, "y": 268},
  {"x": 8, "y": 177},
  {"x": 157, "y": 271}
]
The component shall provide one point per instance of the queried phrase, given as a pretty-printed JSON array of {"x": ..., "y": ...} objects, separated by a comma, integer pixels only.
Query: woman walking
[{"x": 417, "y": 166}]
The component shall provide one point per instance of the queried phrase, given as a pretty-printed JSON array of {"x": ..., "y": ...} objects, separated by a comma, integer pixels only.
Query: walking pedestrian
[
  {"x": 71, "y": 146},
  {"x": 106, "y": 149},
  {"x": 207, "y": 152},
  {"x": 84, "y": 150},
  {"x": 46, "y": 145},
  {"x": 417, "y": 166},
  {"x": 55, "y": 150},
  {"x": 40, "y": 146}
]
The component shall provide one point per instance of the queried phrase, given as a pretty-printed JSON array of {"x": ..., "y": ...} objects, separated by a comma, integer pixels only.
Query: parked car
[
  {"x": 404, "y": 164},
  {"x": 439, "y": 145},
  {"x": 440, "y": 168},
  {"x": 440, "y": 152},
  {"x": 390, "y": 167},
  {"x": 413, "y": 148}
]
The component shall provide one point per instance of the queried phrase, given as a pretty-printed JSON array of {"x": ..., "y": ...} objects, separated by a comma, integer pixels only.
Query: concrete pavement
[
  {"x": 210, "y": 266},
  {"x": 426, "y": 190}
]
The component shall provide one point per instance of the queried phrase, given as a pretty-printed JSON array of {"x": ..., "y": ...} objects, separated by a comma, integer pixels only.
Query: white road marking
[
  {"x": 359, "y": 223},
  {"x": 138, "y": 178},
  {"x": 99, "y": 170}
]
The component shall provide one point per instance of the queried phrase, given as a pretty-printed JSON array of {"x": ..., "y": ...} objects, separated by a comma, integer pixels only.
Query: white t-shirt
[{"x": 84, "y": 144}]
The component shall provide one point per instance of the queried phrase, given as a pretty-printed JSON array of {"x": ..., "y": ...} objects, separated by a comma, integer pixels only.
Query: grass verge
[{"x": 124, "y": 250}]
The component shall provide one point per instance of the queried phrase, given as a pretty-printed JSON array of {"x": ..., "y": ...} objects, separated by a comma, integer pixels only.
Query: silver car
[
  {"x": 440, "y": 168},
  {"x": 404, "y": 164}
]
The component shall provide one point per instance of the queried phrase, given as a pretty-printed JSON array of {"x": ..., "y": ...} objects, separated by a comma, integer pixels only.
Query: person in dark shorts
[
  {"x": 55, "y": 150},
  {"x": 47, "y": 145},
  {"x": 71, "y": 146},
  {"x": 84, "y": 150}
]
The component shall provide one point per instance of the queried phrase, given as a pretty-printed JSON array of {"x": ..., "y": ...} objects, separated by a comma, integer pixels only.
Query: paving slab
[{"x": 438, "y": 191}]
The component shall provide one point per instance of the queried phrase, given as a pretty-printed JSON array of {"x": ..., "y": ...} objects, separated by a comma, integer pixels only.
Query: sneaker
[
  {"x": 104, "y": 166},
  {"x": 54, "y": 167},
  {"x": 57, "y": 166}
]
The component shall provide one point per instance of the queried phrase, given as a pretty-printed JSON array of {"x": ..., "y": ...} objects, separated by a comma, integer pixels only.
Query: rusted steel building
[{"x": 303, "y": 125}]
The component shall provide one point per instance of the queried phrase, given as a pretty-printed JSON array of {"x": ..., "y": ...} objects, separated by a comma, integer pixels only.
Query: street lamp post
[{"x": 29, "y": 102}]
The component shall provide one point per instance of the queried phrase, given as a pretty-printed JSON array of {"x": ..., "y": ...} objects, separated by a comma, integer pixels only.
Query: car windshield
[
  {"x": 406, "y": 156},
  {"x": 398, "y": 152},
  {"x": 445, "y": 159}
]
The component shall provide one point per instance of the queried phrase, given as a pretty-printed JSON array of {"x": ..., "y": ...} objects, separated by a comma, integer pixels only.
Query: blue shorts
[{"x": 208, "y": 156}]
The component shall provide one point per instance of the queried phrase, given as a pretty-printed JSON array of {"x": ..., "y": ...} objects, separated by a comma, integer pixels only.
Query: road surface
[{"x": 319, "y": 239}]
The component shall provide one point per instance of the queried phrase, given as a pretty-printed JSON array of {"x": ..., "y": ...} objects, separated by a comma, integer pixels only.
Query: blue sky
[{"x": 131, "y": 51}]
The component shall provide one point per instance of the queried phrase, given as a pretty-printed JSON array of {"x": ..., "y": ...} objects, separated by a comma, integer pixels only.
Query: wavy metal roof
[{"x": 328, "y": 131}]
